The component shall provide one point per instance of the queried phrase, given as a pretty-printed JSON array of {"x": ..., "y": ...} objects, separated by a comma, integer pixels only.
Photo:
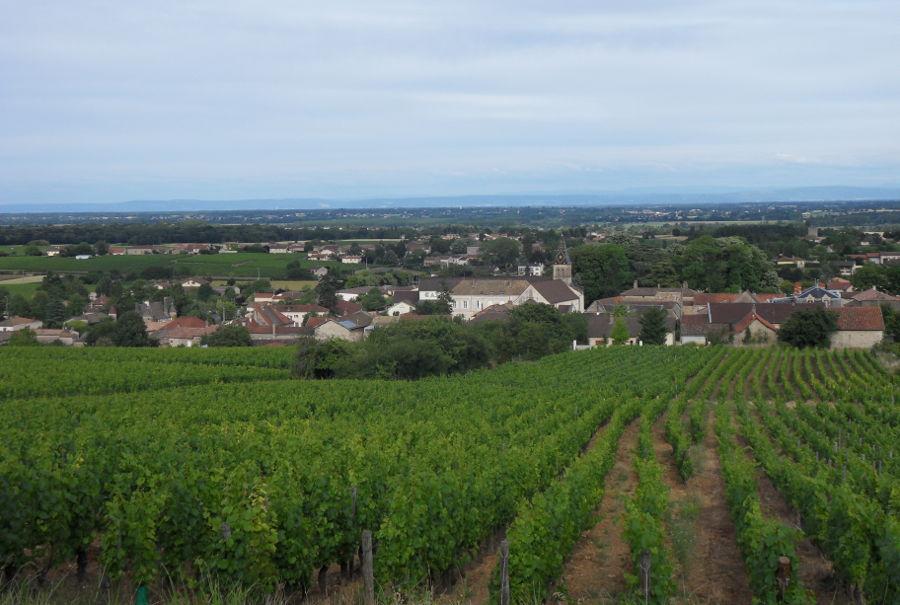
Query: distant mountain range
[{"x": 627, "y": 197}]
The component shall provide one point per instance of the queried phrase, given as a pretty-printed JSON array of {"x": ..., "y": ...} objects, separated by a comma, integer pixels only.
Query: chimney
[{"x": 635, "y": 284}]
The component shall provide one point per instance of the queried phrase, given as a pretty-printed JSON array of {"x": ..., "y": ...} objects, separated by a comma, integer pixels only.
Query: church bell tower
[{"x": 562, "y": 264}]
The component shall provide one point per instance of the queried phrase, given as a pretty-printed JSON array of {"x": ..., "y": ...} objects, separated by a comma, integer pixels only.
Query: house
[
  {"x": 610, "y": 305},
  {"x": 845, "y": 268},
  {"x": 138, "y": 251},
  {"x": 790, "y": 261},
  {"x": 117, "y": 250},
  {"x": 696, "y": 329},
  {"x": 873, "y": 297},
  {"x": 157, "y": 311},
  {"x": 401, "y": 307},
  {"x": 263, "y": 297},
  {"x": 683, "y": 295},
  {"x": 814, "y": 294},
  {"x": 431, "y": 287},
  {"x": 193, "y": 283},
  {"x": 267, "y": 324},
  {"x": 741, "y": 324},
  {"x": 54, "y": 252},
  {"x": 858, "y": 327},
  {"x": 65, "y": 337},
  {"x": 183, "y": 332},
  {"x": 839, "y": 284},
  {"x": 353, "y": 293},
  {"x": 473, "y": 295},
  {"x": 298, "y": 313},
  {"x": 530, "y": 270},
  {"x": 320, "y": 272},
  {"x": 351, "y": 259},
  {"x": 349, "y": 327},
  {"x": 279, "y": 249},
  {"x": 493, "y": 313},
  {"x": 16, "y": 323},
  {"x": 600, "y": 328},
  {"x": 346, "y": 307}
]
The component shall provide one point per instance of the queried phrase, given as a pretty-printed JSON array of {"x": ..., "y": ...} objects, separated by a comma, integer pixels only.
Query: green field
[
  {"x": 241, "y": 264},
  {"x": 173, "y": 466}
]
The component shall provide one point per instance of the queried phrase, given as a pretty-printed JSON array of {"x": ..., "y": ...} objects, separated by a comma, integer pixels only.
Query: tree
[
  {"x": 228, "y": 336},
  {"x": 502, "y": 252},
  {"x": 619, "y": 333},
  {"x": 54, "y": 313},
  {"x": 130, "y": 331},
  {"x": 23, "y": 338},
  {"x": 101, "y": 248},
  {"x": 809, "y": 328},
  {"x": 726, "y": 264},
  {"x": 601, "y": 269},
  {"x": 884, "y": 277},
  {"x": 326, "y": 291},
  {"x": 320, "y": 359},
  {"x": 295, "y": 270},
  {"x": 101, "y": 333},
  {"x": 373, "y": 300},
  {"x": 442, "y": 306},
  {"x": 891, "y": 322},
  {"x": 205, "y": 291},
  {"x": 653, "y": 326}
]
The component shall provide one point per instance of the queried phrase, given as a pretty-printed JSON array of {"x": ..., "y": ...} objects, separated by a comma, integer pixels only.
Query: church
[{"x": 473, "y": 295}]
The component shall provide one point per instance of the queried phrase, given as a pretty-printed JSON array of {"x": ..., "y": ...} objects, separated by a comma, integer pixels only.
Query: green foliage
[
  {"x": 653, "y": 326},
  {"x": 601, "y": 269},
  {"x": 809, "y": 328},
  {"x": 130, "y": 331},
  {"x": 326, "y": 291},
  {"x": 619, "y": 332},
  {"x": 884, "y": 277},
  {"x": 228, "y": 336},
  {"x": 727, "y": 264},
  {"x": 502, "y": 252},
  {"x": 762, "y": 540},
  {"x": 23, "y": 338},
  {"x": 321, "y": 359},
  {"x": 373, "y": 300}
]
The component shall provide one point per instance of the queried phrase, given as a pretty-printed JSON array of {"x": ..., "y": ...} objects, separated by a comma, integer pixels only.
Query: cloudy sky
[{"x": 216, "y": 99}]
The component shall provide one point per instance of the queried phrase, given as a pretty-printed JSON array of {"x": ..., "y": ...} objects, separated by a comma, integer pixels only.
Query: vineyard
[{"x": 649, "y": 474}]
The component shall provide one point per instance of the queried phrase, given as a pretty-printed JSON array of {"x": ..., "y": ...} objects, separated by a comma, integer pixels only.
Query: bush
[
  {"x": 228, "y": 336},
  {"x": 809, "y": 328}
]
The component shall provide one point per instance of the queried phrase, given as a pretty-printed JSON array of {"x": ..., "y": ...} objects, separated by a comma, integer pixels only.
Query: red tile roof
[{"x": 859, "y": 319}]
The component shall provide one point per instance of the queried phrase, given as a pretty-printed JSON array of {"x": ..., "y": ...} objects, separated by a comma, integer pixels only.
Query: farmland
[
  {"x": 732, "y": 474},
  {"x": 240, "y": 264}
]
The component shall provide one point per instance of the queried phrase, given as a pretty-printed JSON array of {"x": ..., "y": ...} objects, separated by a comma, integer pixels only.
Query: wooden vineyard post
[
  {"x": 645, "y": 574},
  {"x": 504, "y": 572},
  {"x": 784, "y": 575},
  {"x": 368, "y": 569}
]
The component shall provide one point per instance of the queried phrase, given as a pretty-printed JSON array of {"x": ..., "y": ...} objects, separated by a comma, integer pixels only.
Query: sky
[{"x": 104, "y": 101}]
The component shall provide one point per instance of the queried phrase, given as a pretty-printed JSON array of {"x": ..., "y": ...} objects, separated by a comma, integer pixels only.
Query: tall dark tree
[
  {"x": 809, "y": 328},
  {"x": 326, "y": 291},
  {"x": 653, "y": 326},
  {"x": 601, "y": 269},
  {"x": 131, "y": 331}
]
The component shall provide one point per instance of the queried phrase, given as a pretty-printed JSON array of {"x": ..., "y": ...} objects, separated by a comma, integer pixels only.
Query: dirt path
[
  {"x": 703, "y": 536},
  {"x": 595, "y": 572},
  {"x": 473, "y": 585}
]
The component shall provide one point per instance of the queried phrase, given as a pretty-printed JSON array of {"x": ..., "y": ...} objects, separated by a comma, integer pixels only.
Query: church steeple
[{"x": 562, "y": 264}]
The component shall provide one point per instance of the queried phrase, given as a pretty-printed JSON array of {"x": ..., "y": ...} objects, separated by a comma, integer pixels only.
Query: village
[{"x": 473, "y": 277}]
